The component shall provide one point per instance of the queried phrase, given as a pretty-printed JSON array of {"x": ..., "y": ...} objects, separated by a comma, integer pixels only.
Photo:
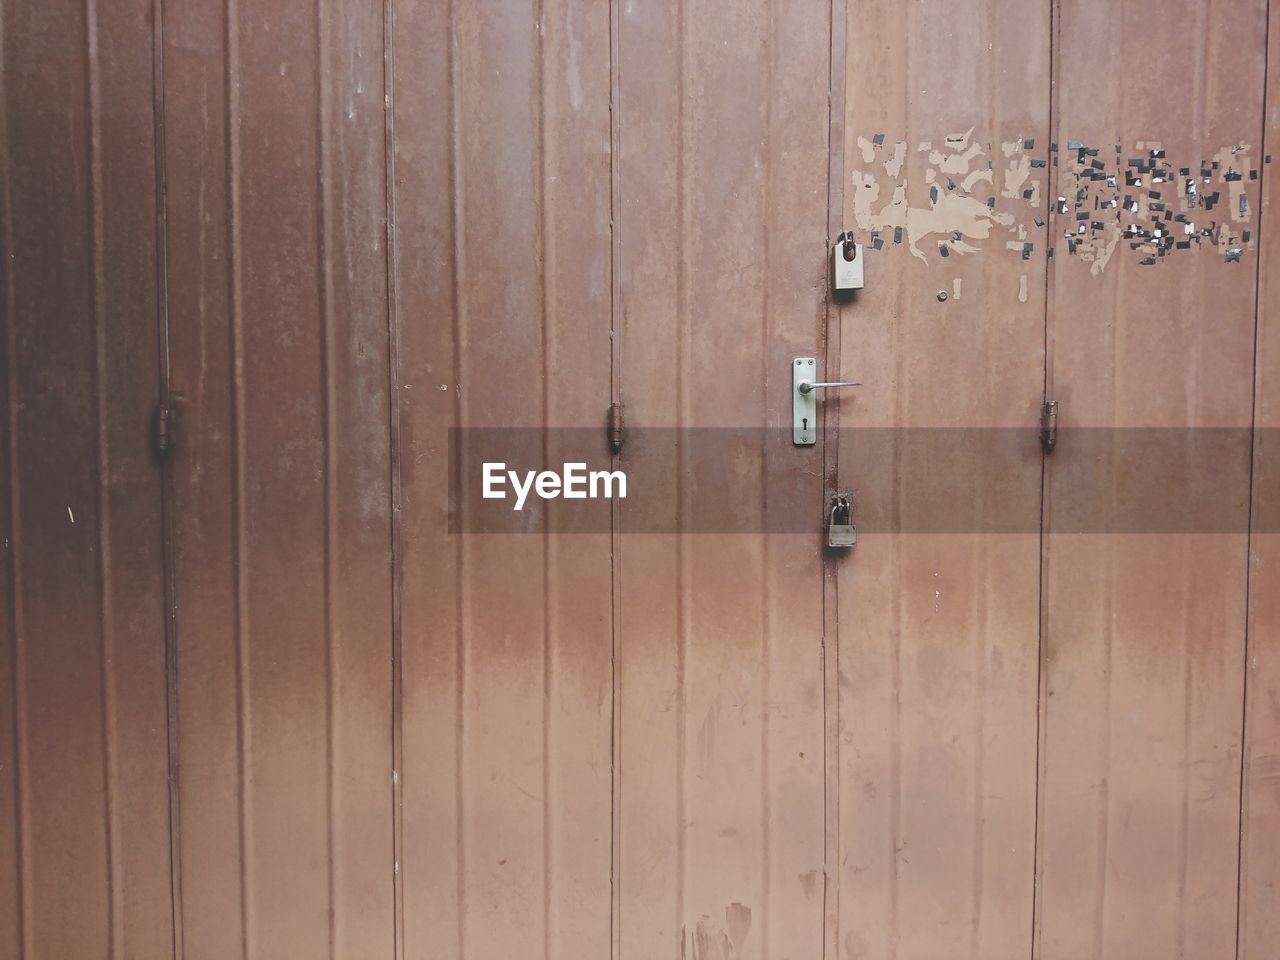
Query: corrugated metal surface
[
  {"x": 279, "y": 351},
  {"x": 722, "y": 160},
  {"x": 1259, "y": 920},
  {"x": 83, "y": 797},
  {"x": 391, "y": 740},
  {"x": 502, "y": 136},
  {"x": 946, "y": 106},
  {"x": 1144, "y": 634}
]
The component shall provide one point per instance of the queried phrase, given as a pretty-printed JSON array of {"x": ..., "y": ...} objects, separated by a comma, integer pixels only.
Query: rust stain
[
  {"x": 855, "y": 948},
  {"x": 809, "y": 882},
  {"x": 711, "y": 941},
  {"x": 738, "y": 919}
]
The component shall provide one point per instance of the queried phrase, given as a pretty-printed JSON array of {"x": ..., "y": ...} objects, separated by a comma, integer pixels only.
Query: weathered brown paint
[
  {"x": 83, "y": 793},
  {"x": 1258, "y": 919},
  {"x": 1144, "y": 635},
  {"x": 622, "y": 744},
  {"x": 938, "y": 633},
  {"x": 279, "y": 350},
  {"x": 503, "y": 194},
  {"x": 722, "y": 159}
]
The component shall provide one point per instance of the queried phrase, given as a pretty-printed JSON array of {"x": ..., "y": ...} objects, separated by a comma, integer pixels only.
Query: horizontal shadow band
[{"x": 964, "y": 480}]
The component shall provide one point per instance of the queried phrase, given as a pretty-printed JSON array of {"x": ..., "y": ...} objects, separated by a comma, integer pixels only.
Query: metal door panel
[
  {"x": 1144, "y": 632},
  {"x": 503, "y": 205},
  {"x": 392, "y": 738},
  {"x": 1259, "y": 921},
  {"x": 722, "y": 148},
  {"x": 947, "y": 108},
  {"x": 137, "y": 784},
  {"x": 207, "y": 832},
  {"x": 279, "y": 352},
  {"x": 83, "y": 819},
  {"x": 426, "y": 209}
]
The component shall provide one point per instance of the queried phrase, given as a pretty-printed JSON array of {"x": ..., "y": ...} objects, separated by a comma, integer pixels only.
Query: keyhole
[{"x": 805, "y": 424}]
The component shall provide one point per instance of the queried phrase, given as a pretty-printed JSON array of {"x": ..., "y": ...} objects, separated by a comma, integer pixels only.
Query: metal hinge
[
  {"x": 614, "y": 428},
  {"x": 166, "y": 428},
  {"x": 1049, "y": 425}
]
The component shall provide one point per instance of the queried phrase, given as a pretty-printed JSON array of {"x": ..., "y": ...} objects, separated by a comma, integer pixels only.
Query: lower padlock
[{"x": 841, "y": 533}]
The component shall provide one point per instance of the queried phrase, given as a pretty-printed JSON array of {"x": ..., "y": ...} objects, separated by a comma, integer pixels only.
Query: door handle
[
  {"x": 804, "y": 400},
  {"x": 804, "y": 386}
]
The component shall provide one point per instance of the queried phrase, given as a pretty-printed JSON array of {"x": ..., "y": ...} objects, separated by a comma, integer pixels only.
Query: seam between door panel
[
  {"x": 830, "y": 645},
  {"x": 1253, "y": 464},
  {"x": 167, "y": 506},
  {"x": 1045, "y": 485},
  {"x": 615, "y": 542},
  {"x": 396, "y": 558}
]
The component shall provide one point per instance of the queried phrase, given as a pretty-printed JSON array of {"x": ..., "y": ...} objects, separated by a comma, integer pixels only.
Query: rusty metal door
[
  {"x": 613, "y": 740},
  {"x": 1041, "y": 731},
  {"x": 279, "y": 363},
  {"x": 502, "y": 174},
  {"x": 721, "y": 159},
  {"x": 1259, "y": 921},
  {"x": 84, "y": 802},
  {"x": 1126, "y": 811},
  {"x": 303, "y": 709},
  {"x": 1151, "y": 354},
  {"x": 945, "y": 145}
]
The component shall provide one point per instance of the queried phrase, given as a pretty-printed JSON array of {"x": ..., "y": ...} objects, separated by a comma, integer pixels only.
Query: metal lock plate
[
  {"x": 804, "y": 405},
  {"x": 846, "y": 264},
  {"x": 841, "y": 533},
  {"x": 804, "y": 399}
]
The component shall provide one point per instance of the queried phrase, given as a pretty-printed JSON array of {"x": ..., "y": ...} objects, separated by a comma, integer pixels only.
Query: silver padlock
[
  {"x": 841, "y": 533},
  {"x": 846, "y": 264}
]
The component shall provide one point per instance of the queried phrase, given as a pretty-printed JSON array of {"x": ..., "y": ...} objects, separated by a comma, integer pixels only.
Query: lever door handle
[{"x": 804, "y": 386}]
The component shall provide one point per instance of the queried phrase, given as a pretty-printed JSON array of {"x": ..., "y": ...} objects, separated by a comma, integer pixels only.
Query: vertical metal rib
[
  {"x": 546, "y": 371},
  {"x": 167, "y": 531},
  {"x": 239, "y": 532},
  {"x": 767, "y": 599},
  {"x": 13, "y": 537},
  {"x": 683, "y": 585},
  {"x": 393, "y": 413},
  {"x": 97, "y": 301},
  {"x": 324, "y": 252},
  {"x": 615, "y": 542},
  {"x": 830, "y": 464},
  {"x": 462, "y": 639}
]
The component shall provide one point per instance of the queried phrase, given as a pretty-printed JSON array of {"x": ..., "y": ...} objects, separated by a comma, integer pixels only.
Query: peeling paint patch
[
  {"x": 946, "y": 199},
  {"x": 893, "y": 166},
  {"x": 960, "y": 195}
]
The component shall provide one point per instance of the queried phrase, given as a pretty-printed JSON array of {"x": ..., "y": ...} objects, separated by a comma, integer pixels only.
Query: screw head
[{"x": 942, "y": 296}]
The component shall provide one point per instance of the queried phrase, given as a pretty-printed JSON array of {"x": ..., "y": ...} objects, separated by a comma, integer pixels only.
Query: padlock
[
  {"x": 841, "y": 533},
  {"x": 846, "y": 265}
]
